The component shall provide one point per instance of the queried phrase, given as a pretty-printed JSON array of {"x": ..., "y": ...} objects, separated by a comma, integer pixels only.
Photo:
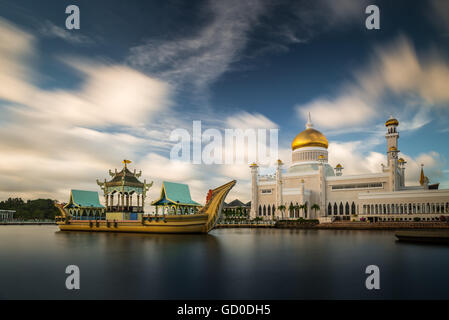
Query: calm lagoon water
[{"x": 225, "y": 264}]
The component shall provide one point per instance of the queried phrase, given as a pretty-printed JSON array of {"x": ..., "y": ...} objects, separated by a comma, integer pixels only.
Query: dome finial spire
[{"x": 309, "y": 123}]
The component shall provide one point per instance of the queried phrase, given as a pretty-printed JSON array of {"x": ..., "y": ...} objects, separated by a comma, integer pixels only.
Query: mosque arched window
[
  {"x": 335, "y": 209},
  {"x": 353, "y": 208},
  {"x": 347, "y": 209},
  {"x": 341, "y": 208},
  {"x": 269, "y": 210},
  {"x": 264, "y": 210},
  {"x": 329, "y": 209},
  {"x": 260, "y": 210},
  {"x": 273, "y": 209}
]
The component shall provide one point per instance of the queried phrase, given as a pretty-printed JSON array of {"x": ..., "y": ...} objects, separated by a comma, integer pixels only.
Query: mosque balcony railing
[
  {"x": 267, "y": 177},
  {"x": 134, "y": 209}
]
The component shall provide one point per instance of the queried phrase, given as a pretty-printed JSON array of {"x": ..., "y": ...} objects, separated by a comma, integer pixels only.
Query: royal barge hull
[{"x": 202, "y": 222}]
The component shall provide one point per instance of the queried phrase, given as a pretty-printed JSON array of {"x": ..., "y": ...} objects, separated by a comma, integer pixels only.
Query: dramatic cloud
[
  {"x": 15, "y": 51},
  {"x": 421, "y": 82},
  {"x": 355, "y": 161},
  {"x": 343, "y": 111},
  {"x": 245, "y": 120},
  {"x": 58, "y": 139},
  {"x": 50, "y": 30},
  {"x": 202, "y": 58}
]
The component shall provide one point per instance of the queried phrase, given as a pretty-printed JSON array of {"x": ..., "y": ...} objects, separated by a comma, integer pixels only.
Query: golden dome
[
  {"x": 310, "y": 138},
  {"x": 401, "y": 160},
  {"x": 392, "y": 121},
  {"x": 339, "y": 166},
  {"x": 393, "y": 149}
]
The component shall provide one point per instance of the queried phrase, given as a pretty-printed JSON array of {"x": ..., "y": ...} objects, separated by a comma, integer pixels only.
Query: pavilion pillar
[
  {"x": 106, "y": 198},
  {"x": 138, "y": 204}
]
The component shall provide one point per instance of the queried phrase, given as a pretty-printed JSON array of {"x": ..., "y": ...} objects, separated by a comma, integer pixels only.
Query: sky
[{"x": 75, "y": 103}]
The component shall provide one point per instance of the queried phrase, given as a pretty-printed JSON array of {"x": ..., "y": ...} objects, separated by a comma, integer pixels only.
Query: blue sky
[{"x": 77, "y": 102}]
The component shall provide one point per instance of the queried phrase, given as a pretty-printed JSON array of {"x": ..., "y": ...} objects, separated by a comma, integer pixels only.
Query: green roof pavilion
[
  {"x": 175, "y": 199},
  {"x": 85, "y": 205}
]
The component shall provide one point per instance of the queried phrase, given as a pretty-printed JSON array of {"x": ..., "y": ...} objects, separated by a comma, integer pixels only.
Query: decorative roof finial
[
  {"x": 126, "y": 162},
  {"x": 309, "y": 123}
]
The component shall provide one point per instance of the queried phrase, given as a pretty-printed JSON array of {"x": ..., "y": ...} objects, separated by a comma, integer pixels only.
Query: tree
[
  {"x": 32, "y": 209},
  {"x": 291, "y": 208},
  {"x": 282, "y": 208},
  {"x": 302, "y": 207},
  {"x": 315, "y": 207}
]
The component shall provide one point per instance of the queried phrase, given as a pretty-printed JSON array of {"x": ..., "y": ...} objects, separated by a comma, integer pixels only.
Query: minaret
[
  {"x": 323, "y": 208},
  {"x": 392, "y": 137},
  {"x": 338, "y": 170},
  {"x": 402, "y": 164},
  {"x": 423, "y": 180},
  {"x": 279, "y": 199},
  {"x": 301, "y": 194},
  {"x": 254, "y": 190}
]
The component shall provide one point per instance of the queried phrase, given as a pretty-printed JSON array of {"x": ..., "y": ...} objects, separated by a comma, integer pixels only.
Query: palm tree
[
  {"x": 282, "y": 208},
  {"x": 291, "y": 208},
  {"x": 302, "y": 207},
  {"x": 315, "y": 207},
  {"x": 298, "y": 209}
]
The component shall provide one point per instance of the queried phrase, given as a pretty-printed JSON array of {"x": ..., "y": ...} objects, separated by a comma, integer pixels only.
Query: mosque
[{"x": 310, "y": 188}]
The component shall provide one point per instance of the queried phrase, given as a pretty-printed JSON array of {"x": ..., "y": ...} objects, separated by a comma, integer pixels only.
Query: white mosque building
[{"x": 310, "y": 188}]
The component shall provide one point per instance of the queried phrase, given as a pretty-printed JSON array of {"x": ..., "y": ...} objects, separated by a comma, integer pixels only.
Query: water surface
[{"x": 225, "y": 264}]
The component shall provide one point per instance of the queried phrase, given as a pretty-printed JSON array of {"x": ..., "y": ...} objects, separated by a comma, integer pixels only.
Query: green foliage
[
  {"x": 308, "y": 221},
  {"x": 32, "y": 209}
]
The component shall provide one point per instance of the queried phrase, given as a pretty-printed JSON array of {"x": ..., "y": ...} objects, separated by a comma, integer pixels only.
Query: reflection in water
[{"x": 226, "y": 264}]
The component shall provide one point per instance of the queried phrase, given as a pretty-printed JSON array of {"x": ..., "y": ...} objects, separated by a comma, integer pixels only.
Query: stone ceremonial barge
[{"x": 176, "y": 212}]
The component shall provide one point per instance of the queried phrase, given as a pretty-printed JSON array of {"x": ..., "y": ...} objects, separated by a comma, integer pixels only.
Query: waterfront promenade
[
  {"x": 246, "y": 225},
  {"x": 24, "y": 223},
  {"x": 340, "y": 225},
  {"x": 363, "y": 225}
]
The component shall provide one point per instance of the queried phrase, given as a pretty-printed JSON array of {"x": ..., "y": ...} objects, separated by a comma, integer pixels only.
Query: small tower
[
  {"x": 279, "y": 199},
  {"x": 322, "y": 195},
  {"x": 392, "y": 137},
  {"x": 393, "y": 165},
  {"x": 402, "y": 164},
  {"x": 339, "y": 170},
  {"x": 423, "y": 180},
  {"x": 254, "y": 190}
]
